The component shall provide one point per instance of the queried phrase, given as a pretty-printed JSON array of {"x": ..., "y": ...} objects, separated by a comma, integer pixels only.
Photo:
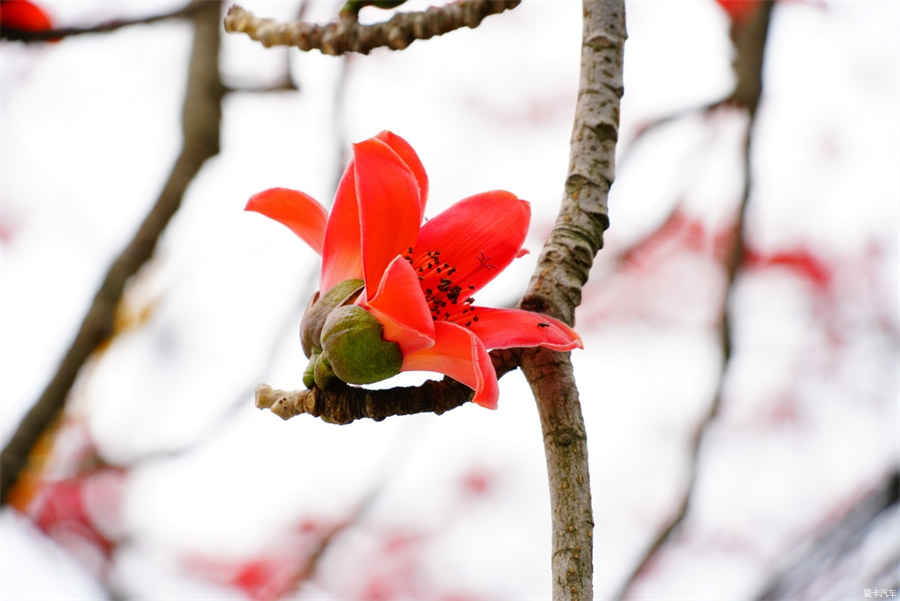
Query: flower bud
[
  {"x": 354, "y": 350},
  {"x": 317, "y": 312}
]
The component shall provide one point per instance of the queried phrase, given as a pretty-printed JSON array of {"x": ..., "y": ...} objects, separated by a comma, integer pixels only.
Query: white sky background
[{"x": 90, "y": 127}]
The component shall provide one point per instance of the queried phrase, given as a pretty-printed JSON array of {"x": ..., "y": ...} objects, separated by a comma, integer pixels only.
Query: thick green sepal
[
  {"x": 353, "y": 345},
  {"x": 322, "y": 373},
  {"x": 317, "y": 312},
  {"x": 308, "y": 374}
]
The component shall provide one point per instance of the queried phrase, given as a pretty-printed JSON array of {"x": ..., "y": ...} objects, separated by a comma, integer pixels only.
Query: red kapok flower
[
  {"x": 418, "y": 279},
  {"x": 24, "y": 16}
]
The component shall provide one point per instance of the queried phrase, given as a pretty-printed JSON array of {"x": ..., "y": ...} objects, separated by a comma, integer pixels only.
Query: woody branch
[
  {"x": 201, "y": 117},
  {"x": 46, "y": 35},
  {"x": 342, "y": 404},
  {"x": 347, "y": 35}
]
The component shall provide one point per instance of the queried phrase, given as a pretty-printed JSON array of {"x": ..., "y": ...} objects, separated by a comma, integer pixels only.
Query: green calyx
[
  {"x": 353, "y": 348},
  {"x": 318, "y": 310},
  {"x": 345, "y": 341}
]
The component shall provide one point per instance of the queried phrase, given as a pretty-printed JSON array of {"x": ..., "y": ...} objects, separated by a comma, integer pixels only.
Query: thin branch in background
[
  {"x": 287, "y": 82},
  {"x": 347, "y": 35},
  {"x": 818, "y": 566},
  {"x": 657, "y": 123},
  {"x": 754, "y": 43},
  {"x": 311, "y": 567},
  {"x": 201, "y": 118},
  {"x": 282, "y": 85},
  {"x": 48, "y": 35},
  {"x": 338, "y": 125},
  {"x": 291, "y": 318}
]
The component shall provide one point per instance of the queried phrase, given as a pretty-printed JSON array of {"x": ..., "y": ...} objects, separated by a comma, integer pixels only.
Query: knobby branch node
[{"x": 348, "y": 35}]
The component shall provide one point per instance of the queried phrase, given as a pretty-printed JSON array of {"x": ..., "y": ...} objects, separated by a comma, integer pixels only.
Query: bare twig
[
  {"x": 48, "y": 35},
  {"x": 347, "y": 35},
  {"x": 286, "y": 82},
  {"x": 200, "y": 128},
  {"x": 755, "y": 43},
  {"x": 342, "y": 404},
  {"x": 660, "y": 122},
  {"x": 283, "y": 85}
]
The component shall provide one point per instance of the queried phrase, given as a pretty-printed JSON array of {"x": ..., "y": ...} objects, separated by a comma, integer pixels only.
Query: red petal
[
  {"x": 298, "y": 211},
  {"x": 409, "y": 156},
  {"x": 511, "y": 328},
  {"x": 19, "y": 14},
  {"x": 478, "y": 237},
  {"x": 461, "y": 355},
  {"x": 401, "y": 308},
  {"x": 739, "y": 10},
  {"x": 341, "y": 256},
  {"x": 388, "y": 198}
]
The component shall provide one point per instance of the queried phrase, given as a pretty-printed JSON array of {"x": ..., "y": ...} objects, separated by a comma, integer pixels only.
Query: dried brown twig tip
[{"x": 346, "y": 35}]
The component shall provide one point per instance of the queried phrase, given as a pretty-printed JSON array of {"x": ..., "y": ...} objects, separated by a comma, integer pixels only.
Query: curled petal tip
[{"x": 295, "y": 210}]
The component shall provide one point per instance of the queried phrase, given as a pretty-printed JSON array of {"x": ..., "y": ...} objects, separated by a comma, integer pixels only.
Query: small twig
[
  {"x": 342, "y": 404},
  {"x": 658, "y": 123},
  {"x": 47, "y": 35},
  {"x": 200, "y": 128},
  {"x": 286, "y": 82},
  {"x": 347, "y": 35},
  {"x": 284, "y": 85},
  {"x": 338, "y": 121},
  {"x": 359, "y": 512},
  {"x": 755, "y": 43}
]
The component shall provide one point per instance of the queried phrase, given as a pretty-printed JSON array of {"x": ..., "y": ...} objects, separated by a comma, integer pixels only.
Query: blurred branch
[
  {"x": 362, "y": 507},
  {"x": 283, "y": 85},
  {"x": 555, "y": 288},
  {"x": 201, "y": 117},
  {"x": 342, "y": 404},
  {"x": 286, "y": 82},
  {"x": 658, "y": 123},
  {"x": 47, "y": 35},
  {"x": 753, "y": 41},
  {"x": 347, "y": 35},
  {"x": 309, "y": 280},
  {"x": 747, "y": 67},
  {"x": 817, "y": 566}
]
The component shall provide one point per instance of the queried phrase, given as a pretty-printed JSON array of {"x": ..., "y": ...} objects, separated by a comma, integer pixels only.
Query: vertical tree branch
[
  {"x": 750, "y": 44},
  {"x": 201, "y": 115},
  {"x": 555, "y": 288}
]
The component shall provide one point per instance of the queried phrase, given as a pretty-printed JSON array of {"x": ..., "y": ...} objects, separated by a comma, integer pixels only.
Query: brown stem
[
  {"x": 555, "y": 288},
  {"x": 347, "y": 35},
  {"x": 47, "y": 35},
  {"x": 342, "y": 404},
  {"x": 200, "y": 128},
  {"x": 753, "y": 43}
]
